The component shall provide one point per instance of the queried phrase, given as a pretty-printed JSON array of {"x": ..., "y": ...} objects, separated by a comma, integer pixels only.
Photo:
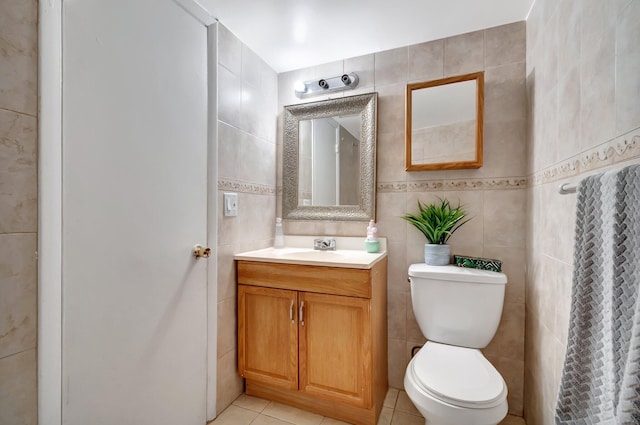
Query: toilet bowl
[
  {"x": 452, "y": 385},
  {"x": 458, "y": 311}
]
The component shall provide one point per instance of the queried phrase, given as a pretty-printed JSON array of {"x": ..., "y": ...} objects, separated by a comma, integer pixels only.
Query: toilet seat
[{"x": 459, "y": 376}]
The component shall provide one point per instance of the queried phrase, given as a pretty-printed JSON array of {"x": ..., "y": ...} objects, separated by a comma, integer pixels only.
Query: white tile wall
[
  {"x": 18, "y": 210},
  {"x": 499, "y": 216},
  {"x": 582, "y": 94}
]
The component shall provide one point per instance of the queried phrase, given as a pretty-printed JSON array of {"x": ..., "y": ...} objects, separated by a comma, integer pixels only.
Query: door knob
[{"x": 201, "y": 251}]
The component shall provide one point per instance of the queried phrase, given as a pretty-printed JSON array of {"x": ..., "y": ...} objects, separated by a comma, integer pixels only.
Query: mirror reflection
[
  {"x": 444, "y": 123},
  {"x": 329, "y": 161}
]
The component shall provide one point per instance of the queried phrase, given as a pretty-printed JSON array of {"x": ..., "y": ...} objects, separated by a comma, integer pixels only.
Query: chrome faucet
[{"x": 324, "y": 244}]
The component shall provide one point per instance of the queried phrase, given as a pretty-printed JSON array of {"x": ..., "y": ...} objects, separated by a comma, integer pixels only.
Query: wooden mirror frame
[{"x": 477, "y": 162}]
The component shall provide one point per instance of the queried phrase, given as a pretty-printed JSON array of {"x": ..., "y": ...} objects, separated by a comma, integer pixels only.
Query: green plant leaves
[{"x": 437, "y": 222}]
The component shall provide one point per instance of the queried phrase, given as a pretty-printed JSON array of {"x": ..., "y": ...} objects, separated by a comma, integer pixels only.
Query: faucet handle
[{"x": 324, "y": 244}]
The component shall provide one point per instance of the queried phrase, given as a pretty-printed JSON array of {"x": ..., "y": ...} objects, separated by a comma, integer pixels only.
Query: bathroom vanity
[{"x": 312, "y": 329}]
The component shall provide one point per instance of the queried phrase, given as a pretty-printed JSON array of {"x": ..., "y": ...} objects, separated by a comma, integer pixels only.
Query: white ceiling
[{"x": 293, "y": 34}]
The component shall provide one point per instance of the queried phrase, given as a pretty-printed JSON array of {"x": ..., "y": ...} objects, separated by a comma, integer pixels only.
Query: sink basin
[
  {"x": 313, "y": 254},
  {"x": 349, "y": 258}
]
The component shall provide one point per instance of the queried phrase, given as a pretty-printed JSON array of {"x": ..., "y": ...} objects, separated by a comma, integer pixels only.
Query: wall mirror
[
  {"x": 329, "y": 159},
  {"x": 444, "y": 123}
]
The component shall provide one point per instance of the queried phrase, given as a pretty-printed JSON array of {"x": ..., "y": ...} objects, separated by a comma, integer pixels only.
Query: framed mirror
[
  {"x": 444, "y": 123},
  {"x": 329, "y": 159}
]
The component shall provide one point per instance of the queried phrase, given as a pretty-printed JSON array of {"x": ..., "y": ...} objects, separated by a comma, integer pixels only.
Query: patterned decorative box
[{"x": 478, "y": 263}]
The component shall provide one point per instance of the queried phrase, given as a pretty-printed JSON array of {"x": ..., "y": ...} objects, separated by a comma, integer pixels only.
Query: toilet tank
[{"x": 455, "y": 305}]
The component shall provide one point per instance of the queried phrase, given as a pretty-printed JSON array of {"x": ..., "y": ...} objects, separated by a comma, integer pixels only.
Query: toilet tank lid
[{"x": 455, "y": 273}]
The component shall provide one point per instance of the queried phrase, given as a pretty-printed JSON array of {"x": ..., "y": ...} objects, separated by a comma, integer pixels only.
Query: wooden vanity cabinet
[
  {"x": 334, "y": 348},
  {"x": 314, "y": 337},
  {"x": 268, "y": 349}
]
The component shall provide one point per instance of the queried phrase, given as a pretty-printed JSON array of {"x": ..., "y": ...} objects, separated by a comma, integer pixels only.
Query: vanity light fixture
[{"x": 326, "y": 85}]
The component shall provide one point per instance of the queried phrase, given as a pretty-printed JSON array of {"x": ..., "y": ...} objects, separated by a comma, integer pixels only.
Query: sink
[
  {"x": 350, "y": 258},
  {"x": 315, "y": 255}
]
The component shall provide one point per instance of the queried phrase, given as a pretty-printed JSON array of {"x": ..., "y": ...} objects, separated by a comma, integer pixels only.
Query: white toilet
[{"x": 458, "y": 310}]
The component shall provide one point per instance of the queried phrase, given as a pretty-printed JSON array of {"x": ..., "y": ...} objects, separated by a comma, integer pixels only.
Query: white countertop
[{"x": 350, "y": 253}]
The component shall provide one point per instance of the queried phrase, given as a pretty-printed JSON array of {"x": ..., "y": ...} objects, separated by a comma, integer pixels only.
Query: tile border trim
[
  {"x": 245, "y": 187},
  {"x": 453, "y": 184},
  {"x": 619, "y": 149}
]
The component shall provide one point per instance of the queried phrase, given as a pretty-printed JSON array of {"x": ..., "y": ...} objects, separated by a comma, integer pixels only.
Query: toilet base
[{"x": 438, "y": 412}]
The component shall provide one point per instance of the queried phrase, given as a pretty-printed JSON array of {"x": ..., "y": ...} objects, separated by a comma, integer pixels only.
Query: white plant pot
[{"x": 437, "y": 254}]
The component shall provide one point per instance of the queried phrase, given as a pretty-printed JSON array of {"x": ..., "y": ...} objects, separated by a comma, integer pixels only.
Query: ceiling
[{"x": 293, "y": 34}]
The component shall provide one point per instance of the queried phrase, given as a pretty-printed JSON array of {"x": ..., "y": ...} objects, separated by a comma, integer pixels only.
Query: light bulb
[{"x": 300, "y": 87}]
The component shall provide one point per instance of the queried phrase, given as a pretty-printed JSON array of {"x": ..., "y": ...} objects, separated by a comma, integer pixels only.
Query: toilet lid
[{"x": 459, "y": 376}]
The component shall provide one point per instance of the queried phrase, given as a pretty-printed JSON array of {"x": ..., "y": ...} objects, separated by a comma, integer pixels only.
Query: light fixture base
[{"x": 327, "y": 85}]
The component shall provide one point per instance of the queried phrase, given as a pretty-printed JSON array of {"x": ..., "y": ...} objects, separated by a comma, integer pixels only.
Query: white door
[{"x": 134, "y": 186}]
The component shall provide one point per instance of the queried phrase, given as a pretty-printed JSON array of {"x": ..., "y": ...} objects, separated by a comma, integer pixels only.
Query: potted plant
[{"x": 437, "y": 222}]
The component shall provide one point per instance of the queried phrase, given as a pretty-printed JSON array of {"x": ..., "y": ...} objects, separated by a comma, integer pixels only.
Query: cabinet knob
[{"x": 301, "y": 313}]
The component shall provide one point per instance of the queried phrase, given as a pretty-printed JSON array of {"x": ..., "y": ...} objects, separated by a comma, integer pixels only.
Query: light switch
[{"x": 230, "y": 201}]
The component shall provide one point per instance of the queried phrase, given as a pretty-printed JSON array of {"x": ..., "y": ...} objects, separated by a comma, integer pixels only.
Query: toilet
[{"x": 458, "y": 310}]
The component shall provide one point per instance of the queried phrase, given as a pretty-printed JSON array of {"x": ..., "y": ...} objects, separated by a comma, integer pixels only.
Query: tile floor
[{"x": 246, "y": 410}]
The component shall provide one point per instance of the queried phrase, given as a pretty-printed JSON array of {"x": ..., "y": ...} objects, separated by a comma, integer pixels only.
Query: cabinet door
[
  {"x": 335, "y": 348},
  {"x": 268, "y": 336}
]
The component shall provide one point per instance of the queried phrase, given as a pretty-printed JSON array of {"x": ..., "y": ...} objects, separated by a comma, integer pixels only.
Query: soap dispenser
[
  {"x": 371, "y": 244},
  {"x": 279, "y": 239}
]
